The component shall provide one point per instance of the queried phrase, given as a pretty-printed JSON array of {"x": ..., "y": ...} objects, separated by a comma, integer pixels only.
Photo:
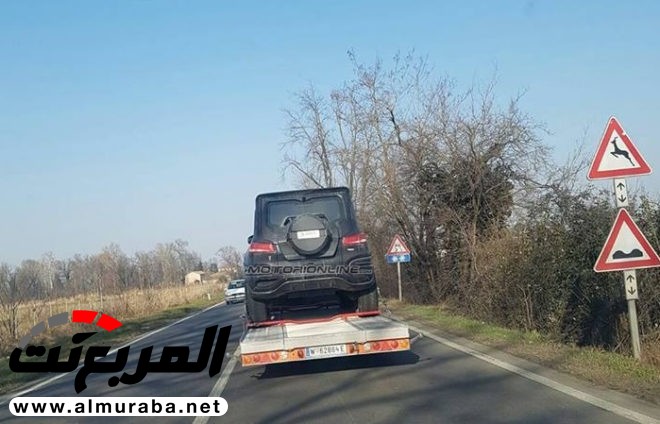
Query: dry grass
[
  {"x": 149, "y": 310},
  {"x": 652, "y": 348},
  {"x": 131, "y": 304},
  {"x": 607, "y": 369}
]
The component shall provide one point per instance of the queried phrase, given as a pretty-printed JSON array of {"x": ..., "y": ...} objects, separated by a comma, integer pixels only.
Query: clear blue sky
[{"x": 138, "y": 122}]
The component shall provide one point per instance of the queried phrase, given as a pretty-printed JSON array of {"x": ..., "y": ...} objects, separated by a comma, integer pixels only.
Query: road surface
[{"x": 433, "y": 383}]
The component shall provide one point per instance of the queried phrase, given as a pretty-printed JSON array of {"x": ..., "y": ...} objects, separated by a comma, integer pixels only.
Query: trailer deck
[{"x": 342, "y": 335}]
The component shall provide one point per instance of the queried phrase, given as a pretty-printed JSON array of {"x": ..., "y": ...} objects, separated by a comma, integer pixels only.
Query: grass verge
[
  {"x": 130, "y": 329},
  {"x": 606, "y": 369}
]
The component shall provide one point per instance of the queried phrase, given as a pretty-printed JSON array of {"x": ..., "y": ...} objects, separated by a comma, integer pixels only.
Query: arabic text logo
[{"x": 173, "y": 359}]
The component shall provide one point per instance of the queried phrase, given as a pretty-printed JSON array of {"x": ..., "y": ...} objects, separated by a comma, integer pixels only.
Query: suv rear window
[{"x": 278, "y": 211}]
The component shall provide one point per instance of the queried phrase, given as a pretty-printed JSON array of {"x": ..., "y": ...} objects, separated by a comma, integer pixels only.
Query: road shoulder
[{"x": 620, "y": 403}]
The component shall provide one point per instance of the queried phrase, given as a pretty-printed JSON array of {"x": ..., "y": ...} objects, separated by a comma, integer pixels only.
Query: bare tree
[
  {"x": 118, "y": 269},
  {"x": 175, "y": 261},
  {"x": 29, "y": 277},
  {"x": 308, "y": 132},
  {"x": 230, "y": 261},
  {"x": 148, "y": 272},
  {"x": 440, "y": 166},
  {"x": 48, "y": 271},
  {"x": 11, "y": 298}
]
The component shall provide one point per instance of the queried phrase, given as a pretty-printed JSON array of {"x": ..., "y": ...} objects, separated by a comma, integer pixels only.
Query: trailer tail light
[
  {"x": 298, "y": 354},
  {"x": 386, "y": 346},
  {"x": 263, "y": 358},
  {"x": 354, "y": 239},
  {"x": 262, "y": 247}
]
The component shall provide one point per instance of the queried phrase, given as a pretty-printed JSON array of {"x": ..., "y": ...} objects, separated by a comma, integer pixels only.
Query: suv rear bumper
[{"x": 274, "y": 287}]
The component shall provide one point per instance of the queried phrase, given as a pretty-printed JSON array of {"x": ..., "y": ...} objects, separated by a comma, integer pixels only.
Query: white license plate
[
  {"x": 325, "y": 351},
  {"x": 308, "y": 234}
]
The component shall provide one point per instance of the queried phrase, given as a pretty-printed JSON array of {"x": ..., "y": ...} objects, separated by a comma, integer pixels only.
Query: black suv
[{"x": 307, "y": 251}]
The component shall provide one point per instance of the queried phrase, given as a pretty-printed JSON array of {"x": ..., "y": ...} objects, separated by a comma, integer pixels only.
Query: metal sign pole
[
  {"x": 630, "y": 283},
  {"x": 398, "y": 271},
  {"x": 630, "y": 276},
  {"x": 634, "y": 329}
]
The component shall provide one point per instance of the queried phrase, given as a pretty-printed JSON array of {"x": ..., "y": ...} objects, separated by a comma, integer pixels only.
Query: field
[
  {"x": 129, "y": 305},
  {"x": 139, "y": 311}
]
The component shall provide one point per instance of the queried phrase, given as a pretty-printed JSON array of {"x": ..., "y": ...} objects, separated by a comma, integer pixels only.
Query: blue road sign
[{"x": 392, "y": 259}]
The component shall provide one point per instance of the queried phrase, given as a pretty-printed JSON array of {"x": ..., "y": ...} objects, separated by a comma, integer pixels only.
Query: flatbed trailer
[{"x": 340, "y": 335}]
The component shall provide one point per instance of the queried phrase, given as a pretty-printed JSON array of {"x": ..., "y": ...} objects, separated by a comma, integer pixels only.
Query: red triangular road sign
[
  {"x": 626, "y": 247},
  {"x": 398, "y": 247},
  {"x": 617, "y": 156}
]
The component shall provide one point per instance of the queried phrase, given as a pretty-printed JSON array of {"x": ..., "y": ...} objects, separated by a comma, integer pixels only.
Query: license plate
[
  {"x": 308, "y": 234},
  {"x": 325, "y": 351}
]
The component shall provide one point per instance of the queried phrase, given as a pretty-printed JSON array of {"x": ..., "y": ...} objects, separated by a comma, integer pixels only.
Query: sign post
[
  {"x": 626, "y": 249},
  {"x": 398, "y": 274},
  {"x": 630, "y": 282},
  {"x": 621, "y": 193},
  {"x": 397, "y": 253}
]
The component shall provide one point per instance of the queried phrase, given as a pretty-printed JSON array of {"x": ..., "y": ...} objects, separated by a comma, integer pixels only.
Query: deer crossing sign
[{"x": 617, "y": 156}]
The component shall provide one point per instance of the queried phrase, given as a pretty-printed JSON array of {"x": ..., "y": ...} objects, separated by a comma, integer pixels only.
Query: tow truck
[{"x": 344, "y": 334}]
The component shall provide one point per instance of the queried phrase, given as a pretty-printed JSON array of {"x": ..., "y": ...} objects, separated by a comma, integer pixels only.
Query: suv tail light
[
  {"x": 262, "y": 247},
  {"x": 354, "y": 239}
]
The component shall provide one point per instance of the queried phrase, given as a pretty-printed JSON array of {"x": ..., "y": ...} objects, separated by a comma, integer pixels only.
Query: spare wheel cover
[{"x": 308, "y": 234}]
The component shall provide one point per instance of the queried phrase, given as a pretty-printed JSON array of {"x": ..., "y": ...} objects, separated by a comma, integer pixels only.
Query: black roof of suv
[{"x": 306, "y": 248}]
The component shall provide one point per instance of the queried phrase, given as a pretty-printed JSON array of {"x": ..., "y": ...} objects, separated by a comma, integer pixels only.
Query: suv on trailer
[{"x": 307, "y": 251}]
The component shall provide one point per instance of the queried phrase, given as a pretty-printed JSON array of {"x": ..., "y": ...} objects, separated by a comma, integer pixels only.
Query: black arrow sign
[
  {"x": 622, "y": 199},
  {"x": 630, "y": 278},
  {"x": 621, "y": 186},
  {"x": 631, "y": 291}
]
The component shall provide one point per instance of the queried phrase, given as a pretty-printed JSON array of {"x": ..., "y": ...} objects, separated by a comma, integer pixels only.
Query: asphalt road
[{"x": 433, "y": 383}]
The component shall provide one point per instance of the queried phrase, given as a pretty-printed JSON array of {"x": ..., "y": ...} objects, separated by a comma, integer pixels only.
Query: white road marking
[
  {"x": 417, "y": 337},
  {"x": 31, "y": 389},
  {"x": 220, "y": 385},
  {"x": 578, "y": 394}
]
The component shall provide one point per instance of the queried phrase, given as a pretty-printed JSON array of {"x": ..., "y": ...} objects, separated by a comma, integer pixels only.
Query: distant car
[
  {"x": 307, "y": 251},
  {"x": 235, "y": 291}
]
